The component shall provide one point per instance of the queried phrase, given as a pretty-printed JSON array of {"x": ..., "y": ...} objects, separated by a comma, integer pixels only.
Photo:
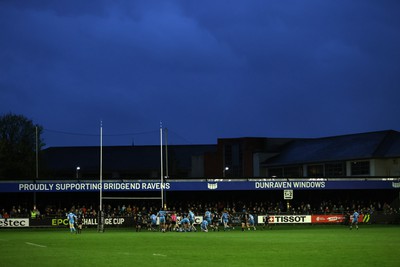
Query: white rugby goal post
[{"x": 100, "y": 225}]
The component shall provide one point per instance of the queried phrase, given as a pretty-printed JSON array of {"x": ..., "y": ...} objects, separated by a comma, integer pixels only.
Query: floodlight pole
[
  {"x": 101, "y": 166},
  {"x": 166, "y": 162},
  {"x": 37, "y": 162},
  {"x": 162, "y": 167},
  {"x": 100, "y": 222},
  {"x": 166, "y": 153},
  {"x": 37, "y": 153}
]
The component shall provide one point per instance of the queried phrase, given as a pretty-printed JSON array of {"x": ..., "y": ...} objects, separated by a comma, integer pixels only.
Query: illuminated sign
[{"x": 195, "y": 185}]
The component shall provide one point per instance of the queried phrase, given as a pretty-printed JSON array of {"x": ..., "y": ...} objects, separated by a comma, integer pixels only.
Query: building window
[
  {"x": 360, "y": 168},
  {"x": 315, "y": 171},
  {"x": 295, "y": 171},
  {"x": 233, "y": 159},
  {"x": 334, "y": 169}
]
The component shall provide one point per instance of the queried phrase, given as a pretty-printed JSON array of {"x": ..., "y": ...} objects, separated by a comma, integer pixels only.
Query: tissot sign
[{"x": 195, "y": 185}]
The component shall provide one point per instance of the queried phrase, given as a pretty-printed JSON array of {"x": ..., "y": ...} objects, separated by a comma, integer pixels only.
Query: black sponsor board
[{"x": 88, "y": 222}]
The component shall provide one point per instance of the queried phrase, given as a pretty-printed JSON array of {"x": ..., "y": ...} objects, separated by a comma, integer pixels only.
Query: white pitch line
[
  {"x": 36, "y": 245},
  {"x": 159, "y": 255}
]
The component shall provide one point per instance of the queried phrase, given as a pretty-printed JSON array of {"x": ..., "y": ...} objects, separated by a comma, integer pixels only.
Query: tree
[{"x": 18, "y": 147}]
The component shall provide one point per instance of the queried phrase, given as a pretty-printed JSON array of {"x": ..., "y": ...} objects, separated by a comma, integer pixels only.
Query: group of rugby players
[{"x": 179, "y": 222}]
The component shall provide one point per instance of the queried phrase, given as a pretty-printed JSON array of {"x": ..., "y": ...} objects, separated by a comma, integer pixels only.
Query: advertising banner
[
  {"x": 63, "y": 222},
  {"x": 290, "y": 219},
  {"x": 194, "y": 185},
  {"x": 314, "y": 219},
  {"x": 327, "y": 218},
  {"x": 14, "y": 222}
]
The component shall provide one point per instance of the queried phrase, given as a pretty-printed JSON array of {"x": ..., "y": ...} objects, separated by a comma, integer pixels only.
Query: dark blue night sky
[{"x": 207, "y": 69}]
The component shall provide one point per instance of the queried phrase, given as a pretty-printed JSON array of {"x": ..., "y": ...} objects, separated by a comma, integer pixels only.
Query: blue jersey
[
  {"x": 207, "y": 216},
  {"x": 71, "y": 217},
  {"x": 204, "y": 224},
  {"x": 184, "y": 220},
  {"x": 162, "y": 214},
  {"x": 153, "y": 218},
  {"x": 225, "y": 216},
  {"x": 191, "y": 216},
  {"x": 251, "y": 219},
  {"x": 355, "y": 216}
]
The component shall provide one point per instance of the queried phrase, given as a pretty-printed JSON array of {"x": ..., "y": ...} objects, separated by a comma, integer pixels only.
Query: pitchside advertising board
[
  {"x": 5, "y": 223},
  {"x": 131, "y": 186},
  {"x": 129, "y": 222},
  {"x": 304, "y": 219},
  {"x": 63, "y": 222}
]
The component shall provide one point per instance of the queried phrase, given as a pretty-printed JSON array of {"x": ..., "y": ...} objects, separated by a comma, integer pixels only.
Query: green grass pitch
[{"x": 328, "y": 245}]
